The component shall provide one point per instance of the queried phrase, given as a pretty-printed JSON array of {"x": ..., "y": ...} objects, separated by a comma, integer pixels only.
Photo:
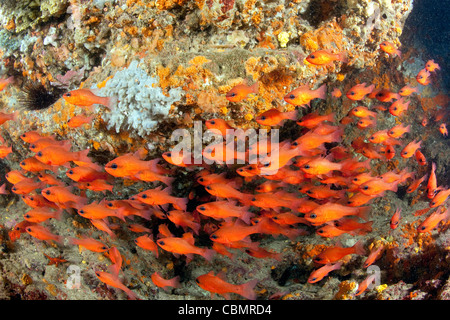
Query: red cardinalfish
[
  {"x": 398, "y": 107},
  {"x": 160, "y": 196},
  {"x": 5, "y": 151},
  {"x": 58, "y": 156},
  {"x": 410, "y": 149},
  {"x": 398, "y": 130},
  {"x": 85, "y": 174},
  {"x": 146, "y": 242},
  {"x": 228, "y": 191},
  {"x": 395, "y": 219},
  {"x": 312, "y": 120},
  {"x": 184, "y": 220},
  {"x": 98, "y": 211},
  {"x": 322, "y": 57},
  {"x": 366, "y": 123},
  {"x": 443, "y": 129},
  {"x": 39, "y": 215},
  {"x": 234, "y": 232},
  {"x": 378, "y": 186},
  {"x": 7, "y": 117},
  {"x": 113, "y": 280},
  {"x": 129, "y": 165},
  {"x": 151, "y": 176},
  {"x": 34, "y": 165},
  {"x": 390, "y": 49},
  {"x": 336, "y": 253},
  {"x": 217, "y": 284},
  {"x": 385, "y": 95},
  {"x": 359, "y": 91},
  {"x": 374, "y": 255},
  {"x": 161, "y": 282},
  {"x": 431, "y": 66},
  {"x": 225, "y": 210},
  {"x": 432, "y": 182},
  {"x": 334, "y": 211},
  {"x": 350, "y": 224},
  {"x": 323, "y": 271},
  {"x": 363, "y": 112},
  {"x": 182, "y": 159},
  {"x": 87, "y": 98},
  {"x": 14, "y": 176},
  {"x": 407, "y": 90},
  {"x": 421, "y": 160},
  {"x": 42, "y": 233},
  {"x": 26, "y": 186},
  {"x": 89, "y": 244},
  {"x": 320, "y": 166},
  {"x": 241, "y": 91},
  {"x": 185, "y": 245},
  {"x": 365, "y": 284},
  {"x": 274, "y": 117},
  {"x": 423, "y": 77},
  {"x": 303, "y": 95},
  {"x": 439, "y": 198},
  {"x": 79, "y": 120},
  {"x": 415, "y": 184},
  {"x": 219, "y": 124},
  {"x": 433, "y": 220},
  {"x": 63, "y": 196},
  {"x": 224, "y": 152}
]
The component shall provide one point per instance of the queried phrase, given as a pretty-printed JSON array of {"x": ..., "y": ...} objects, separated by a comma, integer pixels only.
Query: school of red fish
[{"x": 314, "y": 187}]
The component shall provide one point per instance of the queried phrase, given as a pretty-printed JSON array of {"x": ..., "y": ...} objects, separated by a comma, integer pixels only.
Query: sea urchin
[{"x": 37, "y": 96}]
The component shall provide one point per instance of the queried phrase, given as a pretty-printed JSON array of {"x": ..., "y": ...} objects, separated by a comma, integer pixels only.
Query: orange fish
[
  {"x": 323, "y": 271},
  {"x": 362, "y": 112},
  {"x": 49, "y": 179},
  {"x": 365, "y": 284},
  {"x": 138, "y": 228},
  {"x": 219, "y": 124},
  {"x": 432, "y": 182},
  {"x": 86, "y": 98},
  {"x": 228, "y": 191},
  {"x": 330, "y": 231},
  {"x": 410, "y": 149},
  {"x": 184, "y": 220},
  {"x": 151, "y": 176},
  {"x": 424, "y": 122},
  {"x": 389, "y": 151},
  {"x": 159, "y": 281},
  {"x": 39, "y": 215},
  {"x": 57, "y": 156},
  {"x": 415, "y": 184},
  {"x": 350, "y": 224},
  {"x": 398, "y": 130},
  {"x": 26, "y": 186},
  {"x": 5, "y": 151},
  {"x": 241, "y": 91},
  {"x": 85, "y": 174},
  {"x": 439, "y": 198},
  {"x": 99, "y": 211},
  {"x": 217, "y": 284},
  {"x": 334, "y": 211},
  {"x": 98, "y": 185},
  {"x": 381, "y": 136},
  {"x": 389, "y": 48},
  {"x": 322, "y": 57},
  {"x": 320, "y": 166},
  {"x": 395, "y": 219},
  {"x": 407, "y": 90},
  {"x": 312, "y": 120},
  {"x": 160, "y": 196},
  {"x": 129, "y": 165},
  {"x": 433, "y": 220},
  {"x": 146, "y": 242},
  {"x": 234, "y": 232},
  {"x": 359, "y": 91},
  {"x": 114, "y": 281},
  {"x": 37, "y": 200},
  {"x": 6, "y": 82},
  {"x": 182, "y": 159},
  {"x": 336, "y": 253},
  {"x": 225, "y": 209},
  {"x": 79, "y": 120},
  {"x": 63, "y": 196},
  {"x": 336, "y": 93},
  {"x": 443, "y": 130},
  {"x": 42, "y": 233},
  {"x": 432, "y": 66},
  {"x": 303, "y": 95},
  {"x": 89, "y": 244},
  {"x": 421, "y": 160},
  {"x": 377, "y": 186},
  {"x": 398, "y": 107},
  {"x": 14, "y": 176},
  {"x": 366, "y": 123},
  {"x": 273, "y": 117},
  {"x": 34, "y": 165},
  {"x": 384, "y": 95},
  {"x": 423, "y": 77},
  {"x": 185, "y": 246}
]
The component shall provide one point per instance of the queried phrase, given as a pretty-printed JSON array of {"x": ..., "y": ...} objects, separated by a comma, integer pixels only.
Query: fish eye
[
  {"x": 47, "y": 192},
  {"x": 114, "y": 166},
  {"x": 27, "y": 215},
  {"x": 169, "y": 154},
  {"x": 292, "y": 96},
  {"x": 320, "y": 231},
  {"x": 67, "y": 94},
  {"x": 28, "y": 229},
  {"x": 313, "y": 279},
  {"x": 352, "y": 93},
  {"x": 81, "y": 211},
  {"x": 349, "y": 202},
  {"x": 365, "y": 187},
  {"x": 253, "y": 199},
  {"x": 306, "y": 166},
  {"x": 313, "y": 216},
  {"x": 208, "y": 187},
  {"x": 144, "y": 196},
  {"x": 420, "y": 77},
  {"x": 196, "y": 280},
  {"x": 213, "y": 236},
  {"x": 31, "y": 198},
  {"x": 104, "y": 248},
  {"x": 355, "y": 179},
  {"x": 70, "y": 172},
  {"x": 88, "y": 184},
  {"x": 312, "y": 56},
  {"x": 395, "y": 108},
  {"x": 433, "y": 203},
  {"x": 263, "y": 118},
  {"x": 22, "y": 163},
  {"x": 233, "y": 94},
  {"x": 212, "y": 122},
  {"x": 405, "y": 152},
  {"x": 422, "y": 228},
  {"x": 391, "y": 132},
  {"x": 295, "y": 143},
  {"x": 202, "y": 208},
  {"x": 309, "y": 192},
  {"x": 109, "y": 204},
  {"x": 39, "y": 154},
  {"x": 33, "y": 146}
]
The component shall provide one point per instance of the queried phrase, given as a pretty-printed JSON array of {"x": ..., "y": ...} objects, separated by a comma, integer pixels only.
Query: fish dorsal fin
[
  {"x": 221, "y": 275},
  {"x": 188, "y": 236}
]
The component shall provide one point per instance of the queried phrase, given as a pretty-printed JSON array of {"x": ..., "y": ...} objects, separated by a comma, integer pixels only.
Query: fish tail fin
[
  {"x": 246, "y": 216},
  {"x": 291, "y": 115},
  {"x": 167, "y": 180},
  {"x": 254, "y": 88},
  {"x": 370, "y": 88},
  {"x": 321, "y": 92},
  {"x": 247, "y": 289},
  {"x": 111, "y": 102},
  {"x": 209, "y": 254},
  {"x": 398, "y": 52},
  {"x": 364, "y": 213},
  {"x": 82, "y": 156},
  {"x": 181, "y": 203},
  {"x": 359, "y": 248},
  {"x": 343, "y": 57}
]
